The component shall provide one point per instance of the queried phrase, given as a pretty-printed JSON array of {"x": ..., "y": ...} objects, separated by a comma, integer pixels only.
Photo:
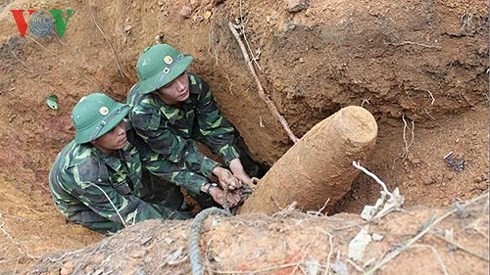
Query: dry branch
[
  {"x": 421, "y": 234},
  {"x": 262, "y": 94},
  {"x": 462, "y": 248},
  {"x": 413, "y": 43}
]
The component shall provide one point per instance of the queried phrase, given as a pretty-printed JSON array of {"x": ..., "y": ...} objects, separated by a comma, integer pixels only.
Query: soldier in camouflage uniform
[
  {"x": 99, "y": 180},
  {"x": 171, "y": 108}
]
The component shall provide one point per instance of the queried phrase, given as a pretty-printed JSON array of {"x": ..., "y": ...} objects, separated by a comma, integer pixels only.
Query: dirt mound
[
  {"x": 418, "y": 66},
  {"x": 416, "y": 241}
]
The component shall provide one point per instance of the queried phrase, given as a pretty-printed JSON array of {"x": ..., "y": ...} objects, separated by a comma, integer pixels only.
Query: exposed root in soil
[
  {"x": 22, "y": 249},
  {"x": 262, "y": 94},
  {"x": 121, "y": 72}
]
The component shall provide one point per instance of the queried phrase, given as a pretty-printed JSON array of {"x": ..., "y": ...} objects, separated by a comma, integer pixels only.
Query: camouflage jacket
[
  {"x": 170, "y": 131},
  {"x": 87, "y": 187}
]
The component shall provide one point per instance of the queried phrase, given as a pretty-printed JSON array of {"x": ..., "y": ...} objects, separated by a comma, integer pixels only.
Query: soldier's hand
[
  {"x": 244, "y": 178},
  {"x": 236, "y": 168},
  {"x": 226, "y": 179},
  {"x": 233, "y": 198},
  {"x": 223, "y": 198}
]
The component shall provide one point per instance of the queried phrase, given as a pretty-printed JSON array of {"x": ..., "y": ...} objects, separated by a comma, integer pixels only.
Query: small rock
[
  {"x": 482, "y": 185},
  {"x": 67, "y": 268},
  {"x": 461, "y": 211},
  {"x": 89, "y": 269},
  {"x": 377, "y": 237},
  {"x": 186, "y": 11},
  {"x": 195, "y": 3},
  {"x": 137, "y": 254},
  {"x": 477, "y": 179},
  {"x": 197, "y": 18},
  {"x": 289, "y": 26},
  {"x": 296, "y": 5},
  {"x": 97, "y": 259},
  {"x": 429, "y": 181},
  {"x": 207, "y": 15}
]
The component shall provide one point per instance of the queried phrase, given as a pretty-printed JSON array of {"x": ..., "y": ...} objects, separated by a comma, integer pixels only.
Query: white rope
[{"x": 110, "y": 201}]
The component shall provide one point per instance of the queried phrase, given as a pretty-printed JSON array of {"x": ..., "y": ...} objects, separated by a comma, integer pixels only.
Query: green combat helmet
[
  {"x": 96, "y": 114},
  {"x": 158, "y": 65}
]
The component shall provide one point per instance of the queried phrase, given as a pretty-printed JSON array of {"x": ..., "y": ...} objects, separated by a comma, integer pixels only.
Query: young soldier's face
[
  {"x": 175, "y": 91},
  {"x": 112, "y": 140}
]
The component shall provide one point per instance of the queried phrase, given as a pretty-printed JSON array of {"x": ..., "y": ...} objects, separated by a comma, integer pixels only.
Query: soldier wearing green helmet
[
  {"x": 172, "y": 108},
  {"x": 107, "y": 177}
]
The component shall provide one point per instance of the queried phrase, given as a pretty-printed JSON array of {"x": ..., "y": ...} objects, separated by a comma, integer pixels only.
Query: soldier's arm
[
  {"x": 217, "y": 132},
  {"x": 179, "y": 175},
  {"x": 105, "y": 201},
  {"x": 177, "y": 150}
]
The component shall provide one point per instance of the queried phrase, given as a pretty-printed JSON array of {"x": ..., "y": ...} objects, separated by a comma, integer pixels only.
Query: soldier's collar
[
  {"x": 170, "y": 112},
  {"x": 114, "y": 160},
  {"x": 110, "y": 160}
]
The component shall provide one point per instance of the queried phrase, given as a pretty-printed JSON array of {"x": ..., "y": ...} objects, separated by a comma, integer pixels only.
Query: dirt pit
[{"x": 418, "y": 66}]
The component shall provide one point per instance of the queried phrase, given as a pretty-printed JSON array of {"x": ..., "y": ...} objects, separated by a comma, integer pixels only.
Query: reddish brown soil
[
  {"x": 290, "y": 242},
  {"x": 424, "y": 61}
]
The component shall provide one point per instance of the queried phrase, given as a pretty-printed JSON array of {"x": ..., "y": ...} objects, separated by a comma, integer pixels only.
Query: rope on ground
[{"x": 195, "y": 237}]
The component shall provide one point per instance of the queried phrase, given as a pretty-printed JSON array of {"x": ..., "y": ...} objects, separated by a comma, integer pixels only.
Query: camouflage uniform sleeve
[
  {"x": 177, "y": 174},
  {"x": 216, "y": 131},
  {"x": 175, "y": 149},
  {"x": 103, "y": 199}
]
